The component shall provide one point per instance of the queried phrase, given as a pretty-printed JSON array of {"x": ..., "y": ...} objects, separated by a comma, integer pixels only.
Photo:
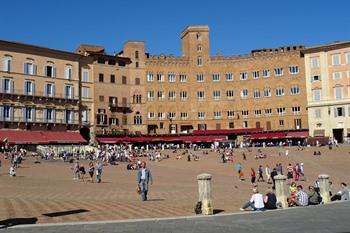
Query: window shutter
[
  {"x": 343, "y": 111},
  {"x": 24, "y": 114},
  {"x": 65, "y": 92},
  {"x": 54, "y": 115},
  {"x": 33, "y": 115},
  {"x": 45, "y": 70},
  {"x": 1, "y": 113},
  {"x": 45, "y": 89},
  {"x": 335, "y": 112},
  {"x": 53, "y": 90},
  {"x": 45, "y": 115},
  {"x": 33, "y": 91},
  {"x": 25, "y": 88},
  {"x": 11, "y": 86},
  {"x": 11, "y": 113},
  {"x": 72, "y": 93},
  {"x": 25, "y": 68},
  {"x": 34, "y": 69},
  {"x": 64, "y": 116},
  {"x": 54, "y": 72}
]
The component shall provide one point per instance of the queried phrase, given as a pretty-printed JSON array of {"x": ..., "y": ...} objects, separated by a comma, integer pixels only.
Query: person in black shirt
[
  {"x": 273, "y": 174},
  {"x": 270, "y": 200}
]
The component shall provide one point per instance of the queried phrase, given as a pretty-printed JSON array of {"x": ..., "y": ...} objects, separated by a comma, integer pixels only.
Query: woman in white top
[{"x": 256, "y": 201}]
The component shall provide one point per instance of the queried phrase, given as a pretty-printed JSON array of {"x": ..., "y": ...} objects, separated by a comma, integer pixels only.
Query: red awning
[
  {"x": 227, "y": 131},
  {"x": 63, "y": 137},
  {"x": 41, "y": 137},
  {"x": 298, "y": 134},
  {"x": 141, "y": 139},
  {"x": 269, "y": 135}
]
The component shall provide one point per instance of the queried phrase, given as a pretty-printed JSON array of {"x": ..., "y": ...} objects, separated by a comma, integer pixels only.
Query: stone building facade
[
  {"x": 264, "y": 89},
  {"x": 327, "y": 75}
]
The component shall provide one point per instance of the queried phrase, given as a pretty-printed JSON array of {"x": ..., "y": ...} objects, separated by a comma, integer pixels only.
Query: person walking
[
  {"x": 98, "y": 172},
  {"x": 268, "y": 174},
  {"x": 239, "y": 170},
  {"x": 260, "y": 173},
  {"x": 91, "y": 171},
  {"x": 144, "y": 177},
  {"x": 76, "y": 171},
  {"x": 252, "y": 175}
]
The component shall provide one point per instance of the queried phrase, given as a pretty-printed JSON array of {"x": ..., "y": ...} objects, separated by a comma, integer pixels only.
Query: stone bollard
[
  {"x": 204, "y": 189},
  {"x": 281, "y": 190},
  {"x": 323, "y": 180}
]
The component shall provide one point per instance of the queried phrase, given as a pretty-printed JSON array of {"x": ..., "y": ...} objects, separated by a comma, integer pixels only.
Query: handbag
[{"x": 138, "y": 189}]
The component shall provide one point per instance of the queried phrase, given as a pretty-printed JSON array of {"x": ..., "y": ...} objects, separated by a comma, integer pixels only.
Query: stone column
[
  {"x": 204, "y": 189},
  {"x": 281, "y": 190},
  {"x": 324, "y": 187}
]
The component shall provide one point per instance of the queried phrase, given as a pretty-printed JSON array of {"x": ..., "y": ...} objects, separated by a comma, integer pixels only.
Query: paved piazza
[{"x": 47, "y": 193}]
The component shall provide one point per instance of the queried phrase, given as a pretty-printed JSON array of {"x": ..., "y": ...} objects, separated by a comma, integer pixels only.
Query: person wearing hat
[{"x": 256, "y": 202}]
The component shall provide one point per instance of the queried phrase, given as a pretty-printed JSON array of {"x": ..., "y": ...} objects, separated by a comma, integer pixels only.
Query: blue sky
[{"x": 236, "y": 27}]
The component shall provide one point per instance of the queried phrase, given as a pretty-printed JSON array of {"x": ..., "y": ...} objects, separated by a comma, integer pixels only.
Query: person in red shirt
[
  {"x": 296, "y": 172},
  {"x": 252, "y": 175}
]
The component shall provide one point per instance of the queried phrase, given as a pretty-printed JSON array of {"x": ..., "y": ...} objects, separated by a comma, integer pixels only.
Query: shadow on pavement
[
  {"x": 10, "y": 222},
  {"x": 217, "y": 211},
  {"x": 156, "y": 199},
  {"x": 63, "y": 213}
]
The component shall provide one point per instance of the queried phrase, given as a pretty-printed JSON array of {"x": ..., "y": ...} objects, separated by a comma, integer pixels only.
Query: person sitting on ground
[
  {"x": 293, "y": 189},
  {"x": 343, "y": 194},
  {"x": 314, "y": 196},
  {"x": 301, "y": 199},
  {"x": 256, "y": 202},
  {"x": 270, "y": 200}
]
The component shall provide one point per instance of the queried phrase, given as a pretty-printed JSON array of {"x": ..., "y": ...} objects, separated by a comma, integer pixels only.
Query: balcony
[
  {"x": 19, "y": 94},
  {"x": 124, "y": 107}
]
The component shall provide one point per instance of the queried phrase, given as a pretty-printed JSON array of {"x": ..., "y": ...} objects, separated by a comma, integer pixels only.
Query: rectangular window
[
  {"x": 245, "y": 124},
  {"x": 160, "y": 95},
  {"x": 28, "y": 88},
  {"x": 256, "y": 74},
  {"x": 200, "y": 77},
  {"x": 29, "y": 68},
  {"x": 243, "y": 76},
  {"x": 7, "y": 113},
  {"x": 68, "y": 72},
  {"x": 68, "y": 92},
  {"x": 49, "y": 90},
  {"x": 100, "y": 78},
  {"x": 137, "y": 81},
  {"x": 316, "y": 94},
  {"x": 229, "y": 77},
  {"x": 266, "y": 73},
  {"x": 336, "y": 59},
  {"x": 85, "y": 75},
  {"x": 150, "y": 77},
  {"x": 7, "y": 86},
  {"x": 50, "y": 71},
  {"x": 7, "y": 64},
  {"x": 85, "y": 92},
  {"x": 101, "y": 98},
  {"x": 231, "y": 125},
  {"x": 172, "y": 115},
  {"x": 315, "y": 78},
  {"x": 216, "y": 77},
  {"x": 183, "y": 78},
  {"x": 161, "y": 115},
  {"x": 339, "y": 112},
  {"x": 199, "y": 61},
  {"x": 171, "y": 78},
  {"x": 112, "y": 78},
  {"x": 293, "y": 69},
  {"x": 124, "y": 81},
  {"x": 278, "y": 72},
  {"x": 68, "y": 116},
  {"x": 29, "y": 114},
  {"x": 338, "y": 93},
  {"x": 347, "y": 56},
  {"x": 315, "y": 62},
  {"x": 281, "y": 122}
]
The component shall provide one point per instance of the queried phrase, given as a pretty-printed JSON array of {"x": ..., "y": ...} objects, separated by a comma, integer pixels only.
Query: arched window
[
  {"x": 199, "y": 36},
  {"x": 29, "y": 67},
  {"x": 68, "y": 71},
  {"x": 50, "y": 70},
  {"x": 7, "y": 63},
  {"x": 137, "y": 119}
]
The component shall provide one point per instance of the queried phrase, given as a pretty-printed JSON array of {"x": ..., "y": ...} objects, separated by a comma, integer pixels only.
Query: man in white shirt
[{"x": 256, "y": 201}]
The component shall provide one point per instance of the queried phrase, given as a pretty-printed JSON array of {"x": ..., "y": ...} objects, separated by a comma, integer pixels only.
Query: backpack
[{"x": 198, "y": 208}]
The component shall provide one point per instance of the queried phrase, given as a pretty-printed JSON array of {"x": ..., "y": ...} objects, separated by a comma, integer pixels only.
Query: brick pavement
[{"x": 48, "y": 187}]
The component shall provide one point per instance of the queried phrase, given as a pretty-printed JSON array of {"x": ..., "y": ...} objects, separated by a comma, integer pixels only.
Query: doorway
[{"x": 338, "y": 135}]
